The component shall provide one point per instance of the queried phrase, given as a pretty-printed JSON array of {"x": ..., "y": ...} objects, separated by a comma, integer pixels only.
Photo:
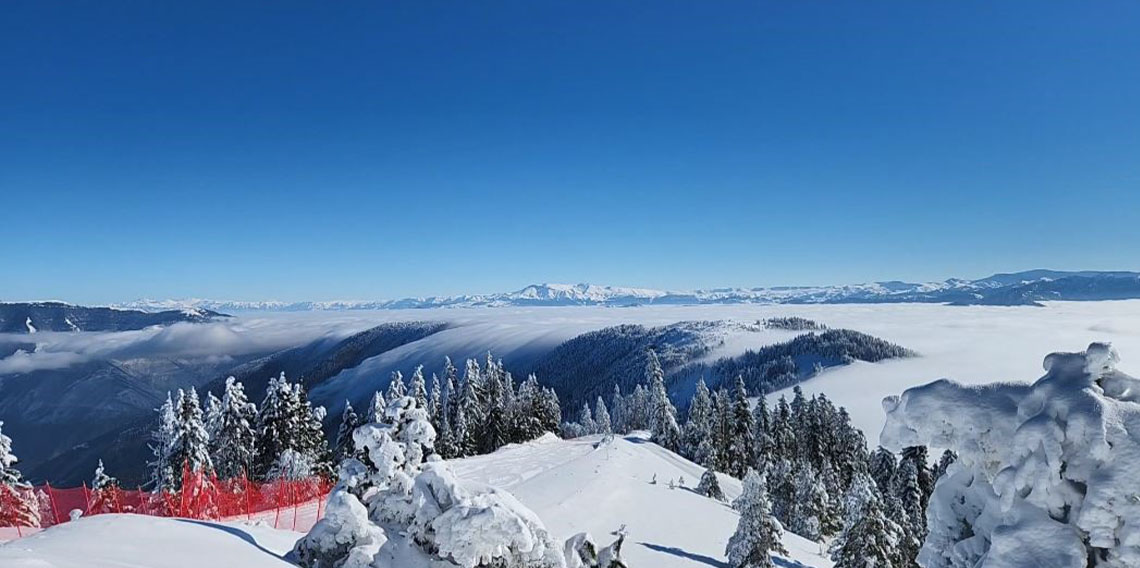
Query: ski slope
[{"x": 578, "y": 485}]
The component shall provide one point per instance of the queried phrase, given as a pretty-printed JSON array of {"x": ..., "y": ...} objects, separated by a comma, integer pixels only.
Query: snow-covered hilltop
[{"x": 1023, "y": 288}]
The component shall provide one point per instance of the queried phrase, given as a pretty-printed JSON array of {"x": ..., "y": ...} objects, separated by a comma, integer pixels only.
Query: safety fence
[{"x": 284, "y": 504}]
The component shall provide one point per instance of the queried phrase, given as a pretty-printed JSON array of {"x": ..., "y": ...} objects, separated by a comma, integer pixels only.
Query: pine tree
[
  {"x": 761, "y": 428},
  {"x": 396, "y": 387},
  {"x": 418, "y": 388},
  {"x": 664, "y": 416},
  {"x": 909, "y": 494},
  {"x": 602, "y": 422},
  {"x": 638, "y": 409},
  {"x": 345, "y": 447},
  {"x": 376, "y": 408},
  {"x": 161, "y": 446},
  {"x": 617, "y": 411},
  {"x": 742, "y": 446},
  {"x": 586, "y": 424},
  {"x": 919, "y": 457},
  {"x": 495, "y": 430},
  {"x": 191, "y": 448},
  {"x": 18, "y": 504},
  {"x": 709, "y": 486},
  {"x": 232, "y": 437},
  {"x": 783, "y": 433},
  {"x": 698, "y": 428},
  {"x": 869, "y": 538},
  {"x": 439, "y": 418},
  {"x": 104, "y": 492},
  {"x": 882, "y": 469},
  {"x": 435, "y": 402},
  {"x": 758, "y": 533},
  {"x": 810, "y": 502},
  {"x": 279, "y": 425},
  {"x": 722, "y": 431},
  {"x": 313, "y": 446},
  {"x": 473, "y": 405}
]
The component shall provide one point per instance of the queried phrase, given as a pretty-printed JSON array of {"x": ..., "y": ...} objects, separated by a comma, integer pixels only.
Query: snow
[
  {"x": 573, "y": 486},
  {"x": 28, "y": 322},
  {"x": 131, "y": 541}
]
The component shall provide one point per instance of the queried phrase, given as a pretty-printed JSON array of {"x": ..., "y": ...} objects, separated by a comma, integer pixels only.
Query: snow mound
[
  {"x": 153, "y": 542},
  {"x": 1046, "y": 471}
]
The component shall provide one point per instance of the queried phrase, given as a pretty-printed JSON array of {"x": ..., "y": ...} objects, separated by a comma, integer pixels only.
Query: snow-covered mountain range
[{"x": 1021, "y": 288}]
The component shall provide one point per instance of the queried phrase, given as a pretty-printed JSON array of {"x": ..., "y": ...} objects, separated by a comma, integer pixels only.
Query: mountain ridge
[{"x": 1019, "y": 288}]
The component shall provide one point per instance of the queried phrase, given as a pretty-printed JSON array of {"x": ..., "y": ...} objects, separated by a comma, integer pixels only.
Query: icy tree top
[{"x": 1057, "y": 457}]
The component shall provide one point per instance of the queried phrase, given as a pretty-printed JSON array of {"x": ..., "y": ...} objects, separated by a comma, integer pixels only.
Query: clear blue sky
[{"x": 383, "y": 149}]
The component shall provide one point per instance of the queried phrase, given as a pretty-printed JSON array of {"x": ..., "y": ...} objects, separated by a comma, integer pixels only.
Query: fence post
[
  {"x": 293, "y": 498},
  {"x": 51, "y": 499},
  {"x": 86, "y": 500}
]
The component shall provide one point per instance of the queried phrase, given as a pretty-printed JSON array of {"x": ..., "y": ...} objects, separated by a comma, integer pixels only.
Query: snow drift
[{"x": 1046, "y": 471}]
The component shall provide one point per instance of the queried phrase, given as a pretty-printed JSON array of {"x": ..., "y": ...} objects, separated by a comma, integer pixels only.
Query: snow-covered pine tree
[
  {"x": 882, "y": 469},
  {"x": 781, "y": 479},
  {"x": 496, "y": 426},
  {"x": 472, "y": 402},
  {"x": 698, "y": 428},
  {"x": 18, "y": 505},
  {"x": 213, "y": 414},
  {"x": 161, "y": 446},
  {"x": 191, "y": 448},
  {"x": 602, "y": 422},
  {"x": 376, "y": 408},
  {"x": 783, "y": 433},
  {"x": 666, "y": 432},
  {"x": 638, "y": 408},
  {"x": 909, "y": 494},
  {"x": 233, "y": 441},
  {"x": 722, "y": 430},
  {"x": 314, "y": 447},
  {"x": 550, "y": 411},
  {"x": 348, "y": 422},
  {"x": 709, "y": 486},
  {"x": 435, "y": 401},
  {"x": 418, "y": 388},
  {"x": 762, "y": 428},
  {"x": 586, "y": 424},
  {"x": 810, "y": 502},
  {"x": 742, "y": 446},
  {"x": 617, "y": 411},
  {"x": 758, "y": 533},
  {"x": 396, "y": 386},
  {"x": 104, "y": 492},
  {"x": 869, "y": 538},
  {"x": 918, "y": 455}
]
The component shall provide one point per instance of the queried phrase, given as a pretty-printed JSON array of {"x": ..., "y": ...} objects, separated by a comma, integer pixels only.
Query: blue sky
[{"x": 384, "y": 149}]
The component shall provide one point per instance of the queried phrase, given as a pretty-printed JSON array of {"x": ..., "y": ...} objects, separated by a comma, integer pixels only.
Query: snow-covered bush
[
  {"x": 344, "y": 538},
  {"x": 1046, "y": 472},
  {"x": 581, "y": 551},
  {"x": 400, "y": 506}
]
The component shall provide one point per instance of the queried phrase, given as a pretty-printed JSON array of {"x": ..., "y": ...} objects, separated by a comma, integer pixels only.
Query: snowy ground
[{"x": 574, "y": 486}]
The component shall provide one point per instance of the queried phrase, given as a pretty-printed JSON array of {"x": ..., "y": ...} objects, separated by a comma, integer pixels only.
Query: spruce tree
[
  {"x": 909, "y": 495},
  {"x": 586, "y": 424},
  {"x": 233, "y": 439},
  {"x": 783, "y": 433},
  {"x": 869, "y": 538},
  {"x": 742, "y": 446},
  {"x": 758, "y": 533},
  {"x": 709, "y": 486},
  {"x": 279, "y": 427},
  {"x": 698, "y": 428},
  {"x": 496, "y": 427},
  {"x": 191, "y": 448},
  {"x": 376, "y": 408},
  {"x": 345, "y": 447},
  {"x": 396, "y": 386},
  {"x": 104, "y": 492},
  {"x": 18, "y": 504},
  {"x": 418, "y": 388},
  {"x": 664, "y": 416},
  {"x": 602, "y": 422},
  {"x": 313, "y": 446},
  {"x": 161, "y": 446},
  {"x": 617, "y": 411},
  {"x": 761, "y": 428},
  {"x": 882, "y": 470}
]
